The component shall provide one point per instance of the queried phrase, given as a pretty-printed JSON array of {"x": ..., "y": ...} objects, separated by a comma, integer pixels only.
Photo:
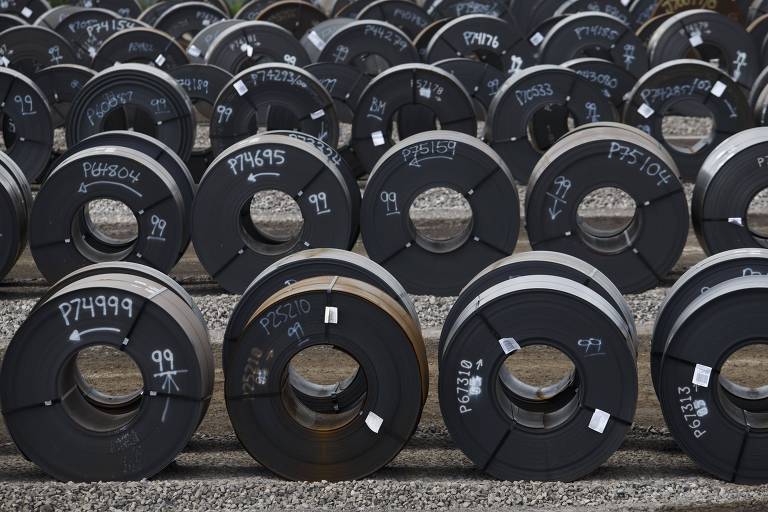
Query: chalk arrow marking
[
  {"x": 84, "y": 187},
  {"x": 253, "y": 177},
  {"x": 77, "y": 335}
]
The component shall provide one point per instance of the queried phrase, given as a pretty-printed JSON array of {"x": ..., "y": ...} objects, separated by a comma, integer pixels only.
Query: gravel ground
[
  {"x": 430, "y": 474},
  {"x": 677, "y": 126}
]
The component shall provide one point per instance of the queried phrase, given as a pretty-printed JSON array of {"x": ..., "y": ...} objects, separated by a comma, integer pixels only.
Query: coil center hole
[
  {"x": 9, "y": 134},
  {"x": 105, "y": 229},
  {"x": 371, "y": 63},
  {"x": 271, "y": 221},
  {"x": 324, "y": 388},
  {"x": 111, "y": 221},
  {"x": 132, "y": 118},
  {"x": 608, "y": 220},
  {"x": 606, "y": 212},
  {"x": 101, "y": 388},
  {"x": 494, "y": 59},
  {"x": 757, "y": 223},
  {"x": 548, "y": 124},
  {"x": 430, "y": 229},
  {"x": 743, "y": 379},
  {"x": 688, "y": 126},
  {"x": 708, "y": 53},
  {"x": 538, "y": 385}
]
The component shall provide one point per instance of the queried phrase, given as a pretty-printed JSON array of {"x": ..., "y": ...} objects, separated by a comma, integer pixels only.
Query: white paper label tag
[
  {"x": 377, "y": 138},
  {"x": 645, "y": 110},
  {"x": 718, "y": 89},
  {"x": 374, "y": 421},
  {"x": 599, "y": 421},
  {"x": 625, "y": 2},
  {"x": 696, "y": 40},
  {"x": 248, "y": 49},
  {"x": 735, "y": 220},
  {"x": 425, "y": 92},
  {"x": 317, "y": 114},
  {"x": 509, "y": 345},
  {"x": 240, "y": 87},
  {"x": 316, "y": 40},
  {"x": 26, "y": 12},
  {"x": 701, "y": 375},
  {"x": 4, "y": 61},
  {"x": 194, "y": 51},
  {"x": 331, "y": 315},
  {"x": 536, "y": 39},
  {"x": 160, "y": 60}
]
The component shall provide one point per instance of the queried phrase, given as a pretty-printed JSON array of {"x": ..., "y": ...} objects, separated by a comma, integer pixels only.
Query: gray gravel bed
[
  {"x": 430, "y": 474},
  {"x": 202, "y": 137},
  {"x": 216, "y": 309},
  {"x": 12, "y": 315},
  {"x": 679, "y": 126},
  {"x": 59, "y": 140},
  {"x": 253, "y": 493},
  {"x": 645, "y": 306}
]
